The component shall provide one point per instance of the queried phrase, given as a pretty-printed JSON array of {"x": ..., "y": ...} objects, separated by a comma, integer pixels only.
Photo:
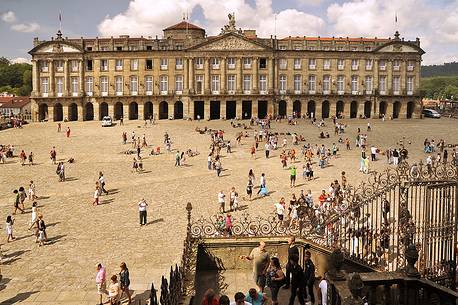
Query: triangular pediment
[
  {"x": 399, "y": 47},
  {"x": 56, "y": 47},
  {"x": 229, "y": 42}
]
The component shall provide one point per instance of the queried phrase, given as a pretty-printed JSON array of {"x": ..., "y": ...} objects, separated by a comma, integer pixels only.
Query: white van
[{"x": 106, "y": 121}]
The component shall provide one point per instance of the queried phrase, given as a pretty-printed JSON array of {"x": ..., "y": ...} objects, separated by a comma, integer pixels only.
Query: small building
[{"x": 16, "y": 106}]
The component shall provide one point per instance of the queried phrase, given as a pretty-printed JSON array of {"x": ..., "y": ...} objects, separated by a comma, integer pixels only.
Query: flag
[{"x": 60, "y": 17}]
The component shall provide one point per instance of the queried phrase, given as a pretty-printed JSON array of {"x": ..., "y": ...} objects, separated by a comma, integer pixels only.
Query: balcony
[
  {"x": 396, "y": 68},
  {"x": 60, "y": 94},
  {"x": 396, "y": 92},
  {"x": 199, "y": 66},
  {"x": 410, "y": 68},
  {"x": 296, "y": 67},
  {"x": 60, "y": 69},
  {"x": 164, "y": 92},
  {"x": 369, "y": 67},
  {"x": 149, "y": 92},
  {"x": 341, "y": 92},
  {"x": 382, "y": 92},
  {"x": 44, "y": 69},
  {"x": 297, "y": 91},
  {"x": 104, "y": 68},
  {"x": 178, "y": 67},
  {"x": 230, "y": 91},
  {"x": 283, "y": 67},
  {"x": 134, "y": 93},
  {"x": 74, "y": 93},
  {"x": 312, "y": 91},
  {"x": 326, "y": 92},
  {"x": 382, "y": 68},
  {"x": 179, "y": 92},
  {"x": 215, "y": 66},
  {"x": 355, "y": 92},
  {"x": 119, "y": 93},
  {"x": 368, "y": 92},
  {"x": 104, "y": 93},
  {"x": 247, "y": 66},
  {"x": 231, "y": 66},
  {"x": 163, "y": 67},
  {"x": 312, "y": 67},
  {"x": 118, "y": 68},
  {"x": 340, "y": 67},
  {"x": 262, "y": 91},
  {"x": 216, "y": 92},
  {"x": 354, "y": 68},
  {"x": 282, "y": 91},
  {"x": 409, "y": 92},
  {"x": 89, "y": 93},
  {"x": 246, "y": 91},
  {"x": 44, "y": 94},
  {"x": 326, "y": 67}
]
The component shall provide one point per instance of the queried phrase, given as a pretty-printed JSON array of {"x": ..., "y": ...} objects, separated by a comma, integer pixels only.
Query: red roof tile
[
  {"x": 14, "y": 101},
  {"x": 183, "y": 25}
]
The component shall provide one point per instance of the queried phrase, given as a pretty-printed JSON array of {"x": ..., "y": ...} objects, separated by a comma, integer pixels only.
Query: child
[
  {"x": 9, "y": 228},
  {"x": 249, "y": 188},
  {"x": 32, "y": 193},
  {"x": 42, "y": 237}
]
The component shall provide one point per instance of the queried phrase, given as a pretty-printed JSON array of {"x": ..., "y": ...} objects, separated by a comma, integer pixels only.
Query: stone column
[
  {"x": 207, "y": 79},
  {"x": 191, "y": 74},
  {"x": 51, "y": 79},
  {"x": 254, "y": 107},
  {"x": 65, "y": 111},
  {"x": 67, "y": 83},
  {"x": 141, "y": 110},
  {"x": 255, "y": 75},
  {"x": 375, "y": 108},
  {"x": 222, "y": 82},
  {"x": 81, "y": 111},
  {"x": 81, "y": 80},
  {"x": 50, "y": 113},
  {"x": 171, "y": 108},
  {"x": 403, "y": 109},
  {"x": 270, "y": 107},
  {"x": 289, "y": 106},
  {"x": 125, "y": 110},
  {"x": 238, "y": 109},
  {"x": 185, "y": 77},
  {"x": 318, "y": 109},
  {"x": 188, "y": 108},
  {"x": 222, "y": 109},
  {"x": 270, "y": 77},
  {"x": 206, "y": 109},
  {"x": 240, "y": 77},
  {"x": 111, "y": 110},
  {"x": 360, "y": 107},
  {"x": 35, "y": 77},
  {"x": 347, "y": 106},
  {"x": 389, "y": 109},
  {"x": 96, "y": 106},
  {"x": 332, "y": 108}
]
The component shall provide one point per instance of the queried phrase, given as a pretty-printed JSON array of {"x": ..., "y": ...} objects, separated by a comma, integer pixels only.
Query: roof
[
  {"x": 14, "y": 101},
  {"x": 354, "y": 39},
  {"x": 183, "y": 25}
]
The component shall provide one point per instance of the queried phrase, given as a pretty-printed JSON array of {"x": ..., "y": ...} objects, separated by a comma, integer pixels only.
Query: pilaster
[
  {"x": 50, "y": 113},
  {"x": 206, "y": 109},
  {"x": 111, "y": 110},
  {"x": 125, "y": 111},
  {"x": 222, "y": 109},
  {"x": 96, "y": 107},
  {"x": 238, "y": 109},
  {"x": 171, "y": 108},
  {"x": 81, "y": 111},
  {"x": 141, "y": 111},
  {"x": 64, "y": 111},
  {"x": 52, "y": 88}
]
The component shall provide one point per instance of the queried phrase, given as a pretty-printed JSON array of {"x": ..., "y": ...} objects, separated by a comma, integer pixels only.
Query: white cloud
[
  {"x": 9, "y": 17},
  {"x": 26, "y": 27},
  {"x": 20, "y": 60}
]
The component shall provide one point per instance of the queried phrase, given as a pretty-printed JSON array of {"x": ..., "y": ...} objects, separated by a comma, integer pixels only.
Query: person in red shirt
[
  {"x": 210, "y": 298},
  {"x": 323, "y": 197}
]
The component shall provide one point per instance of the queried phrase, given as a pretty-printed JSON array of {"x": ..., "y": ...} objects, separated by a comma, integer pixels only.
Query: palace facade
[{"x": 187, "y": 74}]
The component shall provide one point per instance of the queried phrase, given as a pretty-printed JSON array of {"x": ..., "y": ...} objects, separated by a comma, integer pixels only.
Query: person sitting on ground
[
  {"x": 239, "y": 298},
  {"x": 255, "y": 297}
]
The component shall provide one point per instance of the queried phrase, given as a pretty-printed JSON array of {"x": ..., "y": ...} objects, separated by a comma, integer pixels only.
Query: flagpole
[{"x": 60, "y": 21}]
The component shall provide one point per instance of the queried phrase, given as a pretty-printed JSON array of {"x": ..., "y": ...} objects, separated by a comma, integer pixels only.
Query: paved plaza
[{"x": 82, "y": 235}]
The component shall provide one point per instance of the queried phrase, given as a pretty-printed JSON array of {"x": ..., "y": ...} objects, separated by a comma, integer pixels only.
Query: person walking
[
  {"x": 17, "y": 200},
  {"x": 42, "y": 236},
  {"x": 68, "y": 132},
  {"x": 96, "y": 195},
  {"x": 142, "y": 204},
  {"x": 114, "y": 291},
  {"x": 102, "y": 183},
  {"x": 275, "y": 277},
  {"x": 267, "y": 149},
  {"x": 262, "y": 182},
  {"x": 32, "y": 191},
  {"x": 297, "y": 281},
  {"x": 177, "y": 158},
  {"x": 292, "y": 176},
  {"x": 309, "y": 276},
  {"x": 261, "y": 260},
  {"x": 292, "y": 251},
  {"x": 221, "y": 202},
  {"x": 100, "y": 281},
  {"x": 125, "y": 281},
  {"x": 9, "y": 229},
  {"x": 53, "y": 155}
]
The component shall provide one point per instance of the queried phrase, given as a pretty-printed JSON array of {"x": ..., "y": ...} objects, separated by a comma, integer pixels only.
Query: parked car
[
  {"x": 107, "y": 121},
  {"x": 430, "y": 113}
]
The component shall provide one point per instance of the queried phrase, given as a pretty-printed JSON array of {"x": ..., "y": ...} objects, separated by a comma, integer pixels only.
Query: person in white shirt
[
  {"x": 280, "y": 208},
  {"x": 221, "y": 201},
  {"x": 323, "y": 286},
  {"x": 142, "y": 204},
  {"x": 102, "y": 183},
  {"x": 373, "y": 153}
]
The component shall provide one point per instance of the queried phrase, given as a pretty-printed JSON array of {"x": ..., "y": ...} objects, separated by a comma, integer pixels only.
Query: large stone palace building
[{"x": 187, "y": 74}]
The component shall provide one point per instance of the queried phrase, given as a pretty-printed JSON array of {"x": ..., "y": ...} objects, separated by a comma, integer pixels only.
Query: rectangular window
[
  {"x": 262, "y": 63},
  {"x": 354, "y": 84},
  {"x": 74, "y": 81},
  {"x": 354, "y": 64},
  {"x": 104, "y": 65},
  {"x": 312, "y": 63},
  {"x": 149, "y": 48},
  {"x": 297, "y": 84},
  {"x": 326, "y": 64},
  {"x": 133, "y": 64},
  {"x": 89, "y": 85},
  {"x": 164, "y": 63},
  {"x": 382, "y": 64},
  {"x": 133, "y": 48},
  {"x": 282, "y": 84},
  {"x": 247, "y": 83},
  {"x": 118, "y": 48},
  {"x": 396, "y": 84},
  {"x": 88, "y": 48},
  {"x": 340, "y": 84},
  {"x": 59, "y": 64},
  {"x": 44, "y": 85},
  {"x": 43, "y": 66},
  {"x": 409, "y": 85},
  {"x": 215, "y": 84},
  {"x": 133, "y": 85},
  {"x": 340, "y": 64},
  {"x": 231, "y": 83},
  {"x": 282, "y": 47},
  {"x": 199, "y": 84},
  {"x": 164, "y": 84},
  {"x": 104, "y": 85},
  {"x": 231, "y": 63},
  {"x": 149, "y": 64},
  {"x": 326, "y": 84},
  {"x": 297, "y": 63},
  {"x": 214, "y": 61},
  {"x": 178, "y": 84},
  {"x": 396, "y": 65},
  {"x": 89, "y": 65},
  {"x": 149, "y": 85},
  {"x": 247, "y": 63},
  {"x": 263, "y": 83},
  {"x": 74, "y": 65},
  {"x": 368, "y": 64},
  {"x": 118, "y": 85},
  {"x": 199, "y": 63},
  {"x": 312, "y": 84},
  {"x": 283, "y": 63},
  {"x": 103, "y": 48},
  {"x": 382, "y": 84},
  {"x": 119, "y": 65},
  {"x": 368, "y": 84},
  {"x": 59, "y": 85},
  {"x": 178, "y": 63}
]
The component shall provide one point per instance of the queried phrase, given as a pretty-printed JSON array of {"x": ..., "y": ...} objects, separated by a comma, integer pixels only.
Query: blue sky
[{"x": 434, "y": 21}]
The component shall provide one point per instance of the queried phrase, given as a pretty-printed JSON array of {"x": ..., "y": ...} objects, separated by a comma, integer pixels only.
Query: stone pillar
[
  {"x": 51, "y": 79},
  {"x": 185, "y": 76},
  {"x": 96, "y": 106},
  {"x": 191, "y": 74},
  {"x": 318, "y": 109},
  {"x": 50, "y": 113},
  {"x": 111, "y": 110},
  {"x": 360, "y": 108},
  {"x": 289, "y": 106},
  {"x": 255, "y": 80},
  {"x": 81, "y": 111},
  {"x": 141, "y": 110},
  {"x": 125, "y": 111},
  {"x": 240, "y": 77},
  {"x": 171, "y": 106},
  {"x": 65, "y": 111},
  {"x": 67, "y": 83},
  {"x": 207, "y": 79},
  {"x": 403, "y": 109},
  {"x": 270, "y": 77},
  {"x": 254, "y": 108},
  {"x": 375, "y": 108},
  {"x": 389, "y": 109},
  {"x": 347, "y": 106},
  {"x": 270, "y": 107},
  {"x": 188, "y": 108},
  {"x": 223, "y": 109},
  {"x": 222, "y": 82},
  {"x": 35, "y": 77},
  {"x": 332, "y": 108},
  {"x": 238, "y": 109},
  {"x": 206, "y": 109},
  {"x": 81, "y": 80}
]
